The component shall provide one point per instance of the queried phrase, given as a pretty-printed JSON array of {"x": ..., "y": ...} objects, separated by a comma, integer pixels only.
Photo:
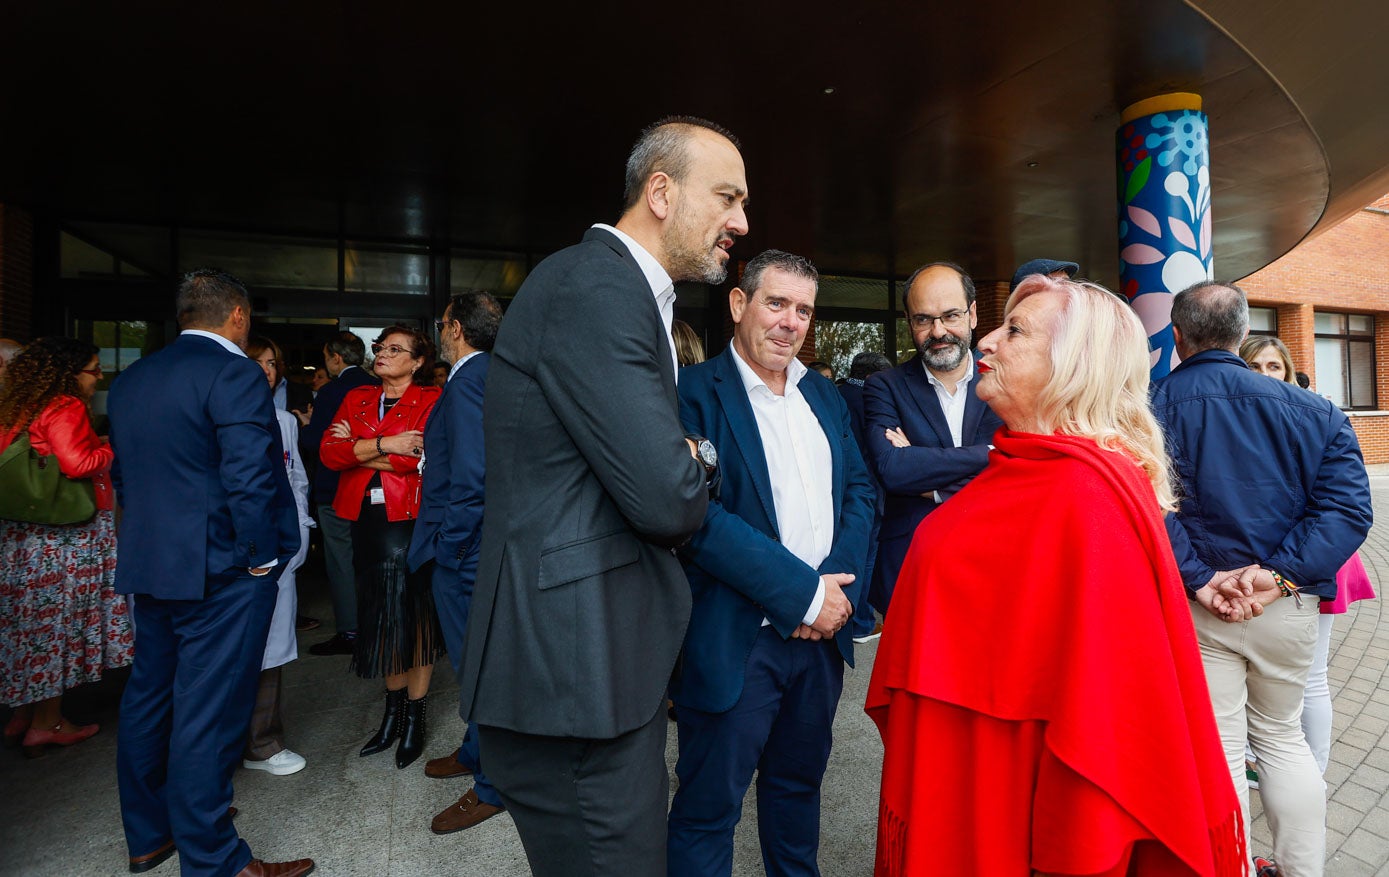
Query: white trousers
[{"x": 1257, "y": 673}]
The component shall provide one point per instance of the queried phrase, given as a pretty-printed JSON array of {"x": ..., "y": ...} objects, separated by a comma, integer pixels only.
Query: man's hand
[
  {"x": 897, "y": 437},
  {"x": 806, "y": 632},
  {"x": 835, "y": 611},
  {"x": 1237, "y": 595},
  {"x": 304, "y": 416}
]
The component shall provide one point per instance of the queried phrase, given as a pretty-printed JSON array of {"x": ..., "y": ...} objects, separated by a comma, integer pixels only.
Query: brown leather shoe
[
  {"x": 257, "y": 868},
  {"x": 446, "y": 766},
  {"x": 150, "y": 861},
  {"x": 467, "y": 812}
]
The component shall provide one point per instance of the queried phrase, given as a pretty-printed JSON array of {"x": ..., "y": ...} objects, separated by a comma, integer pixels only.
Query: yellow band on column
[{"x": 1161, "y": 103}]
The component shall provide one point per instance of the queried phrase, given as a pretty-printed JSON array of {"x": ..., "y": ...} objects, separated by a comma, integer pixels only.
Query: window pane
[
  {"x": 79, "y": 259},
  {"x": 906, "y": 347},
  {"x": 838, "y": 342},
  {"x": 1263, "y": 320},
  {"x": 1362, "y": 374},
  {"x": 499, "y": 275},
  {"x": 851, "y": 292},
  {"x": 1331, "y": 372},
  {"x": 1361, "y": 324},
  {"x": 1329, "y": 324},
  {"x": 262, "y": 260},
  {"x": 397, "y": 271}
]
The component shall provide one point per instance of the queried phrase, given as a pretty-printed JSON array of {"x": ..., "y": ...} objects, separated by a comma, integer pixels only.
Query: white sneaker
[
  {"x": 281, "y": 764},
  {"x": 869, "y": 637}
]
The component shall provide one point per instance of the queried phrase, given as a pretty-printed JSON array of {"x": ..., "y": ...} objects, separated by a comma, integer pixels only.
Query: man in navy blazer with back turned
[
  {"x": 928, "y": 432},
  {"x": 208, "y": 521},
  {"x": 449, "y": 529},
  {"x": 774, "y": 573}
]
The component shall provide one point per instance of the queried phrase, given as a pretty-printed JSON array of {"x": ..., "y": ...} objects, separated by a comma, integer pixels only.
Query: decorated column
[{"x": 1164, "y": 211}]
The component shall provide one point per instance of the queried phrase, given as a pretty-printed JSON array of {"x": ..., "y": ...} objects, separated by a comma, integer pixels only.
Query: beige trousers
[{"x": 1257, "y": 671}]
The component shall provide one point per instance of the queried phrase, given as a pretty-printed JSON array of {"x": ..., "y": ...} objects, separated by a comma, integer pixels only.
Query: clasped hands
[
  {"x": 1237, "y": 595},
  {"x": 834, "y": 612}
]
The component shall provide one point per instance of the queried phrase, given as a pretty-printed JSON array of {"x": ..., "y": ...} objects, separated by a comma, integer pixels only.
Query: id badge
[{"x": 378, "y": 496}]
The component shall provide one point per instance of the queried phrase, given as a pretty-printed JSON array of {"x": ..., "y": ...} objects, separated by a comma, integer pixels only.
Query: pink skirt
[{"x": 1352, "y": 584}]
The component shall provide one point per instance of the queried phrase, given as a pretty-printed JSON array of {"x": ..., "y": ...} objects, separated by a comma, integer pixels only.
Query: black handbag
[{"x": 33, "y": 489}]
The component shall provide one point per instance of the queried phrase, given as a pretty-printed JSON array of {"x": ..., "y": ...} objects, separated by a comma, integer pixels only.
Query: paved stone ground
[{"x": 59, "y": 815}]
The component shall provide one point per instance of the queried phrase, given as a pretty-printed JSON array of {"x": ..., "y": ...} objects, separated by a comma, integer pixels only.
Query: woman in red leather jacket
[
  {"x": 61, "y": 621},
  {"x": 376, "y": 442}
]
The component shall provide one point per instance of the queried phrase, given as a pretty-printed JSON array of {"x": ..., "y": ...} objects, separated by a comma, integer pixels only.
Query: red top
[
  {"x": 361, "y": 408},
  {"x": 63, "y": 429},
  {"x": 1039, "y": 688}
]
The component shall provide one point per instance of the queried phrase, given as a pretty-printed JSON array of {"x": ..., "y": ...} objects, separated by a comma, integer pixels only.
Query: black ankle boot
[
  {"x": 390, "y": 724},
  {"x": 412, "y": 734}
]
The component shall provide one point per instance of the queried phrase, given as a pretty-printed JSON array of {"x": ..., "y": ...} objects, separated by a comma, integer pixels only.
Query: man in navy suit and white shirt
[
  {"x": 449, "y": 528},
  {"x": 927, "y": 430},
  {"x": 208, "y": 516},
  {"x": 774, "y": 572}
]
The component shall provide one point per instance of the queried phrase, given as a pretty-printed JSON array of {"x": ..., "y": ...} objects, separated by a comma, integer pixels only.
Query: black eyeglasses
[
  {"x": 391, "y": 350},
  {"x": 440, "y": 324},
  {"x": 949, "y": 319}
]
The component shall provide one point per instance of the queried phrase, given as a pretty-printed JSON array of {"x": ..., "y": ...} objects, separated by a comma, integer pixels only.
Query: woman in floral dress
[{"x": 61, "y": 621}]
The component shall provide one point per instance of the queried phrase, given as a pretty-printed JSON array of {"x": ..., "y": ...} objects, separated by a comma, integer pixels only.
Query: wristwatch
[{"x": 705, "y": 451}]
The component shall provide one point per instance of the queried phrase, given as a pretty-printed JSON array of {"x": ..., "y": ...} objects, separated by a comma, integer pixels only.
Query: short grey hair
[
  {"x": 780, "y": 260},
  {"x": 352, "y": 349},
  {"x": 664, "y": 146},
  {"x": 1211, "y": 316}
]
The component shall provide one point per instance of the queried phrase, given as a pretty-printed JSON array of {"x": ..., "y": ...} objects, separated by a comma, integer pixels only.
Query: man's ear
[
  {"x": 737, "y": 303},
  {"x": 660, "y": 194}
]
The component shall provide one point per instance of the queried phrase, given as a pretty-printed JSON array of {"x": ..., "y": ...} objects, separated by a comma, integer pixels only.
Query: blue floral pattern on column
[{"x": 1164, "y": 218}]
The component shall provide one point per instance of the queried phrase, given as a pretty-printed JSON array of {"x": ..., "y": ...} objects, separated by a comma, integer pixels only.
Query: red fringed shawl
[{"x": 1038, "y": 686}]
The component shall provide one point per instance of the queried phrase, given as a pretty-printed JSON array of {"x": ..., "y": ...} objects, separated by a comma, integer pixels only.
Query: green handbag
[{"x": 34, "y": 490}]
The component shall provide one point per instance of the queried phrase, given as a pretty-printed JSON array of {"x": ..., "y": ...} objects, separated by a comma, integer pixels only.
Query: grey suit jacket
[{"x": 580, "y": 606}]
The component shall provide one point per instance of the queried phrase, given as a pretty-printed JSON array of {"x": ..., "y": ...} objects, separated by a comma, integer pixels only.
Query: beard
[
  {"x": 691, "y": 257},
  {"x": 949, "y": 358}
]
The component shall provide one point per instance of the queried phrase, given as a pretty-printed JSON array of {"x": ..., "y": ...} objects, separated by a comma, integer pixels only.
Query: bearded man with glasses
[{"x": 928, "y": 433}]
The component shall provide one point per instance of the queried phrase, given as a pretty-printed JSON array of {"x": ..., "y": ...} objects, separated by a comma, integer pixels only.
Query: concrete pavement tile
[
  {"x": 1336, "y": 772},
  {"x": 1343, "y": 817},
  {"x": 1344, "y": 865},
  {"x": 1369, "y": 848},
  {"x": 1362, "y": 798},
  {"x": 1373, "y": 777},
  {"x": 1377, "y": 710},
  {"x": 1371, "y": 725},
  {"x": 1358, "y": 740},
  {"x": 1379, "y": 758},
  {"x": 1377, "y": 820}
]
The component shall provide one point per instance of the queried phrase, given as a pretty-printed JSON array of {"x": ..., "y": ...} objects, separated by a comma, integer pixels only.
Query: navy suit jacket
[
  {"x": 449, "y": 527},
  {"x": 739, "y": 572},
  {"x": 901, "y": 397},
  {"x": 325, "y": 408},
  {"x": 199, "y": 471}
]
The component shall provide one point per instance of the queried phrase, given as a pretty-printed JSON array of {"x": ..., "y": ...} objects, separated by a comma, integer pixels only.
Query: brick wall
[
  {"x": 16, "y": 272},
  {"x": 1373, "y": 433}
]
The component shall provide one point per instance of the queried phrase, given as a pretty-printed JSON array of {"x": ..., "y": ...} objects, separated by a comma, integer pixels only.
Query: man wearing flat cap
[{"x": 1046, "y": 267}]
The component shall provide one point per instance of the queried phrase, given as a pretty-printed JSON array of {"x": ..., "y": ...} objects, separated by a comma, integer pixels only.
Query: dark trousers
[
  {"x": 453, "y": 597},
  {"x": 266, "y": 736},
  {"x": 585, "y": 808},
  {"x": 337, "y": 561},
  {"x": 184, "y": 718},
  {"x": 780, "y": 728},
  {"x": 864, "y": 620}
]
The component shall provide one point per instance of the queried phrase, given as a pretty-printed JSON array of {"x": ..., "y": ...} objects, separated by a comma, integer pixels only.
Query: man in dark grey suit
[{"x": 580, "y": 606}]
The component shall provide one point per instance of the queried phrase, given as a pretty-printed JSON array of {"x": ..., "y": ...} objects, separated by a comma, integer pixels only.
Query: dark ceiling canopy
[{"x": 877, "y": 135}]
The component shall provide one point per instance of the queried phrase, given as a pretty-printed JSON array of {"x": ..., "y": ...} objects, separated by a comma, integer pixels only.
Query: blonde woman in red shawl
[{"x": 1038, "y": 687}]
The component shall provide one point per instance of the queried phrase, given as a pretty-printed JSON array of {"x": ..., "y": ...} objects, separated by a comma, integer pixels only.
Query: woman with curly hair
[{"x": 61, "y": 621}]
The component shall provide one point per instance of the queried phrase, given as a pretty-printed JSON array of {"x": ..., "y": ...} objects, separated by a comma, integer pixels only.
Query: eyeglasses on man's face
[
  {"x": 440, "y": 324},
  {"x": 388, "y": 350},
  {"x": 950, "y": 319}
]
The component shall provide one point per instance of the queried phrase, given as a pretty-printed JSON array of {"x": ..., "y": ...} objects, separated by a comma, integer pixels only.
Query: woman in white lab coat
[{"x": 265, "y": 747}]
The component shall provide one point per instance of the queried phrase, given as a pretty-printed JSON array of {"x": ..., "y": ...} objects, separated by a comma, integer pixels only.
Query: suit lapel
[
  {"x": 737, "y": 410},
  {"x": 924, "y": 395},
  {"x": 820, "y": 404}
]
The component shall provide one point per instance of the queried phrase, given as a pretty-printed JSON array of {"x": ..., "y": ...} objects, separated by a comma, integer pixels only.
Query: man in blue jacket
[
  {"x": 774, "y": 572},
  {"x": 344, "y": 356},
  {"x": 208, "y": 523},
  {"x": 449, "y": 529},
  {"x": 1273, "y": 487},
  {"x": 927, "y": 430}
]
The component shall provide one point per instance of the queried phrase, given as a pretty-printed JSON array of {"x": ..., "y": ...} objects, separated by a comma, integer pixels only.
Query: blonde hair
[
  {"x": 689, "y": 350},
  {"x": 1255, "y": 344},
  {"x": 1099, "y": 377}
]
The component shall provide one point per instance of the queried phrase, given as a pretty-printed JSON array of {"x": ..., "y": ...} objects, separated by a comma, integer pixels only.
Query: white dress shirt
[
  {"x": 662, "y": 287},
  {"x": 953, "y": 404},
  {"x": 800, "y": 467}
]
